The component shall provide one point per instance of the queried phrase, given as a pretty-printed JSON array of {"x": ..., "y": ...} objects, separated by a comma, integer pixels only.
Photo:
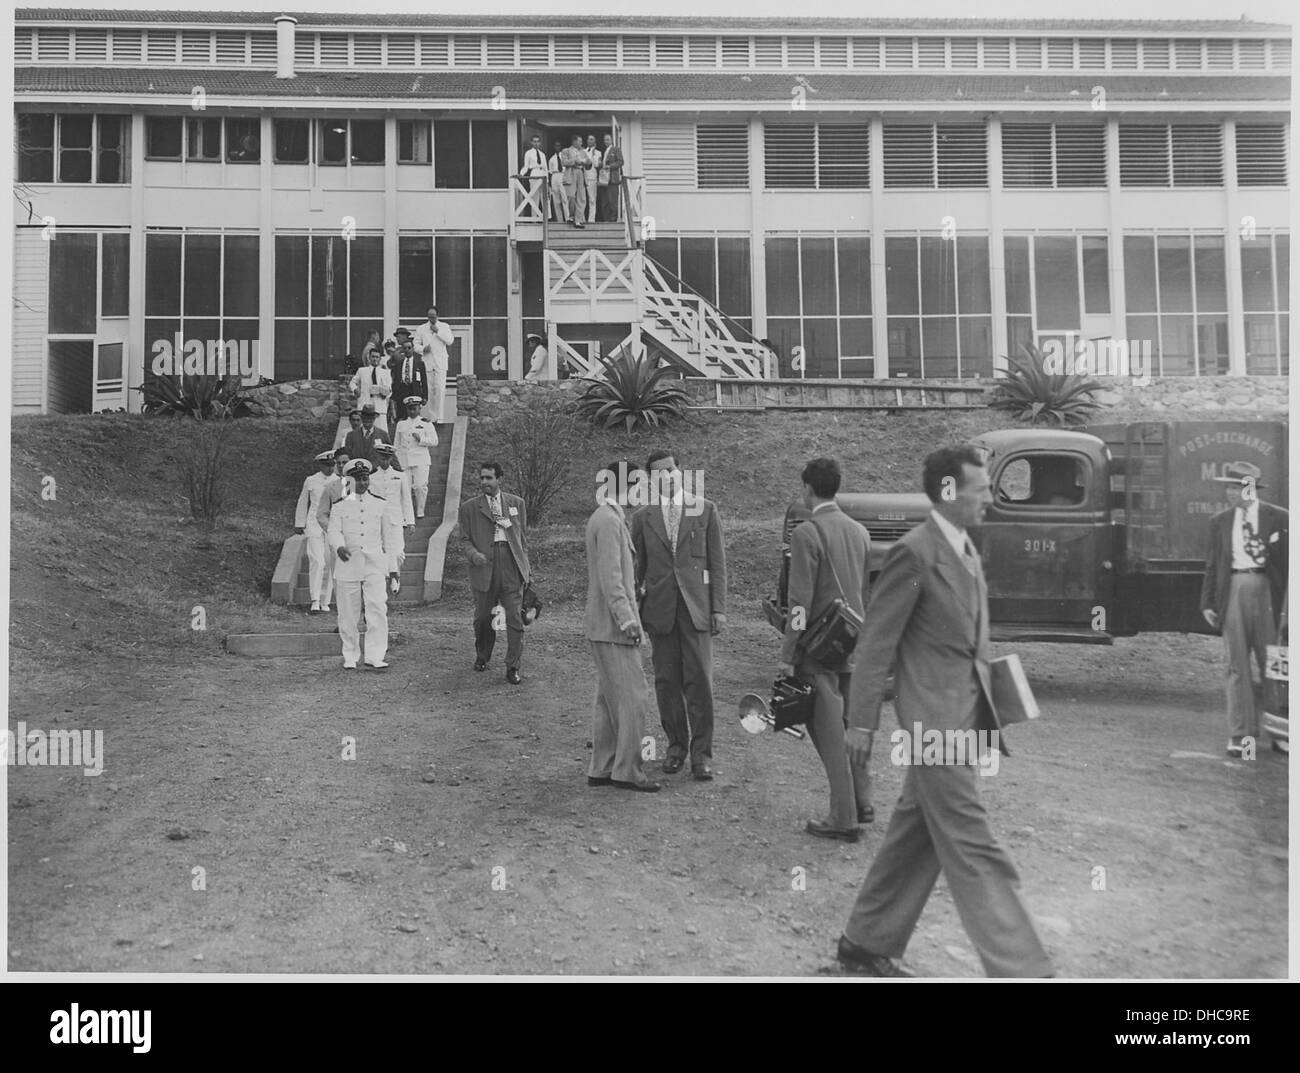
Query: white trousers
[
  {"x": 437, "y": 392},
  {"x": 350, "y": 595},
  {"x": 419, "y": 472},
  {"x": 319, "y": 561},
  {"x": 591, "y": 195}
]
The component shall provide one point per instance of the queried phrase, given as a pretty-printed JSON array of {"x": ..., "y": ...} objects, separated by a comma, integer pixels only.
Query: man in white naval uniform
[
  {"x": 393, "y": 485},
  {"x": 431, "y": 339},
  {"x": 336, "y": 487},
  {"x": 413, "y": 438},
  {"x": 368, "y": 543},
  {"x": 304, "y": 521}
]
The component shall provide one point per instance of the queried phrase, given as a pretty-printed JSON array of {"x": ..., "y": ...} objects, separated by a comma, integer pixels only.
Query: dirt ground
[{"x": 463, "y": 838}]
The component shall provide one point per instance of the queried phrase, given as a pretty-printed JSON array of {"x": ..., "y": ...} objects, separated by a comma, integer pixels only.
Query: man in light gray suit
[
  {"x": 928, "y": 617},
  {"x": 681, "y": 567},
  {"x": 613, "y": 628},
  {"x": 829, "y": 558}
]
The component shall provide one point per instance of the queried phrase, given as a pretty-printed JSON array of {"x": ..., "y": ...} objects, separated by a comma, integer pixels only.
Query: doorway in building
[{"x": 70, "y": 376}]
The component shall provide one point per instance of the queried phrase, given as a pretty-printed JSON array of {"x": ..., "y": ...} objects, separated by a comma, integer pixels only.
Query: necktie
[
  {"x": 968, "y": 559},
  {"x": 1250, "y": 542},
  {"x": 406, "y": 370},
  {"x": 674, "y": 520}
]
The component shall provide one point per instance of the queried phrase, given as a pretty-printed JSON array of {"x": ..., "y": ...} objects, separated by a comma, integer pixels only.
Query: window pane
[
  {"x": 162, "y": 275},
  {"x": 855, "y": 340},
  {"x": 939, "y": 345},
  {"x": 1177, "y": 346},
  {"x": 900, "y": 280},
  {"x": 855, "y": 275},
  {"x": 1257, "y": 273},
  {"x": 367, "y": 141},
  {"x": 74, "y": 165},
  {"x": 1020, "y": 334},
  {"x": 821, "y": 347},
  {"x": 782, "y": 276},
  {"x": 489, "y": 155},
  {"x": 414, "y": 275},
  {"x": 203, "y": 329},
  {"x": 1056, "y": 283},
  {"x": 203, "y": 139},
  {"x": 733, "y": 277},
  {"x": 1211, "y": 274},
  {"x": 413, "y": 141},
  {"x": 74, "y": 148},
  {"x": 663, "y": 251},
  {"x": 973, "y": 290},
  {"x": 329, "y": 278},
  {"x": 938, "y": 280},
  {"x": 329, "y": 345},
  {"x": 35, "y": 148},
  {"x": 163, "y": 137},
  {"x": 1212, "y": 344},
  {"x": 290, "y": 349},
  {"x": 488, "y": 334},
  {"x": 202, "y": 275},
  {"x": 904, "y": 346},
  {"x": 366, "y": 277},
  {"x": 290, "y": 280},
  {"x": 699, "y": 266},
  {"x": 110, "y": 148},
  {"x": 818, "y": 264},
  {"x": 291, "y": 142},
  {"x": 1261, "y": 345},
  {"x": 452, "y": 275},
  {"x": 1174, "y": 264},
  {"x": 155, "y": 332},
  {"x": 451, "y": 154},
  {"x": 976, "y": 337},
  {"x": 244, "y": 141},
  {"x": 1283, "y": 244},
  {"x": 115, "y": 285},
  {"x": 240, "y": 275},
  {"x": 1096, "y": 275},
  {"x": 1140, "y": 274},
  {"x": 1015, "y": 254},
  {"x": 785, "y": 334},
  {"x": 333, "y": 143},
  {"x": 489, "y": 277},
  {"x": 74, "y": 279},
  {"x": 74, "y": 131}
]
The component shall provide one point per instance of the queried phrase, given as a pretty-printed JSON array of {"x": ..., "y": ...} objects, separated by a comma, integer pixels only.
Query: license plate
[{"x": 1275, "y": 665}]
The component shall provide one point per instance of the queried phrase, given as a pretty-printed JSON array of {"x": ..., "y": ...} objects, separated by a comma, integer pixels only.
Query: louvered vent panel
[
  {"x": 1219, "y": 54},
  {"x": 833, "y": 52},
  {"x": 768, "y": 52},
  {"x": 1143, "y": 154},
  {"x": 997, "y": 53},
  {"x": 468, "y": 50},
  {"x": 722, "y": 156},
  {"x": 401, "y": 50},
  {"x": 866, "y": 52},
  {"x": 53, "y": 44},
  {"x": 1060, "y": 53},
  {"x": 1026, "y": 154},
  {"x": 602, "y": 51},
  {"x": 1123, "y": 53},
  {"x": 1187, "y": 54},
  {"x": 1197, "y": 154},
  {"x": 799, "y": 51},
  {"x": 843, "y": 156},
  {"x": 304, "y": 49},
  {"x": 128, "y": 46},
  {"x": 1155, "y": 54},
  {"x": 91, "y": 45},
  {"x": 568, "y": 50},
  {"x": 930, "y": 52},
  {"x": 196, "y": 46},
  {"x": 1261, "y": 154},
  {"x": 636, "y": 51},
  {"x": 333, "y": 50},
  {"x": 1080, "y": 155},
  {"x": 263, "y": 47},
  {"x": 1029, "y": 52},
  {"x": 160, "y": 46},
  {"x": 367, "y": 50},
  {"x": 702, "y": 51},
  {"x": 669, "y": 51},
  {"x": 898, "y": 53},
  {"x": 909, "y": 154},
  {"x": 962, "y": 155},
  {"x": 965, "y": 52},
  {"x": 1250, "y": 55},
  {"x": 534, "y": 50},
  {"x": 735, "y": 52},
  {"x": 1279, "y": 55},
  {"x": 24, "y": 44},
  {"x": 790, "y": 156},
  {"x": 232, "y": 49},
  {"x": 501, "y": 50},
  {"x": 435, "y": 50},
  {"x": 668, "y": 152}
]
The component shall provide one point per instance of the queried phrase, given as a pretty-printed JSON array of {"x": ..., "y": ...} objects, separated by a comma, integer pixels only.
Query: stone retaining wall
[
  {"x": 300, "y": 400},
  {"x": 1239, "y": 397}
]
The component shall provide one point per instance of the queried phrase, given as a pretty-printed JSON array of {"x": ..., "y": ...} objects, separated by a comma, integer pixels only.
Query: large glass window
[
  {"x": 714, "y": 266},
  {"x": 819, "y": 304},
  {"x": 202, "y": 285},
  {"x": 88, "y": 280},
  {"x": 328, "y": 296},
  {"x": 71, "y": 148},
  {"x": 469, "y": 154},
  {"x": 1265, "y": 284},
  {"x": 940, "y": 302},
  {"x": 1053, "y": 282},
  {"x": 464, "y": 276},
  {"x": 1175, "y": 295}
]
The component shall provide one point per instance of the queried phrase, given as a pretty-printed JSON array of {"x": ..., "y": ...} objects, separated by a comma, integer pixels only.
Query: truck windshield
[{"x": 1043, "y": 480}]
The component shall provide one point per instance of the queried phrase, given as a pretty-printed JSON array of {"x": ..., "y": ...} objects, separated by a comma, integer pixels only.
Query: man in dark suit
[
  {"x": 409, "y": 374},
  {"x": 928, "y": 618},
  {"x": 681, "y": 567},
  {"x": 493, "y": 536},
  {"x": 829, "y": 559},
  {"x": 361, "y": 442},
  {"x": 1245, "y": 582}
]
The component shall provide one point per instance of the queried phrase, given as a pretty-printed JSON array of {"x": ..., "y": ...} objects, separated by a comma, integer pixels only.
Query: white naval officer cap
[
  {"x": 358, "y": 467},
  {"x": 325, "y": 456}
]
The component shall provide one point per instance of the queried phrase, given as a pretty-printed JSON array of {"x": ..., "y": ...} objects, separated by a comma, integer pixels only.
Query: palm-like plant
[
  {"x": 1038, "y": 397},
  {"x": 639, "y": 392},
  {"x": 194, "y": 396}
]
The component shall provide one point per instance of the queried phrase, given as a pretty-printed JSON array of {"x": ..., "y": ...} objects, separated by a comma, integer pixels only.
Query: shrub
[
  {"x": 194, "y": 396},
  {"x": 539, "y": 441},
  {"x": 638, "y": 392},
  {"x": 1038, "y": 397},
  {"x": 204, "y": 468}
]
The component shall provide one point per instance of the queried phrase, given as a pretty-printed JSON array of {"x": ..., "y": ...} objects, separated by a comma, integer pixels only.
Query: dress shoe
[
  {"x": 866, "y": 815},
  {"x": 349, "y": 666},
  {"x": 702, "y": 773},
  {"x": 377, "y": 666},
  {"x": 855, "y": 959},
  {"x": 512, "y": 675},
  {"x": 480, "y": 665},
  {"x": 825, "y": 830},
  {"x": 315, "y": 608},
  {"x": 641, "y": 787},
  {"x": 673, "y": 765},
  {"x": 603, "y": 780}
]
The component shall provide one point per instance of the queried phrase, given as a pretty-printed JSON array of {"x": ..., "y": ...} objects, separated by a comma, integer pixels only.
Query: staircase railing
[
  {"x": 528, "y": 206},
  {"x": 719, "y": 339},
  {"x": 632, "y": 197},
  {"x": 578, "y": 363}
]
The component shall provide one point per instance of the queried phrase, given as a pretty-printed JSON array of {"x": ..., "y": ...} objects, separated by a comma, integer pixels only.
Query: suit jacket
[
  {"x": 812, "y": 582},
  {"x": 698, "y": 570},
  {"x": 611, "y": 577},
  {"x": 366, "y": 526},
  {"x": 928, "y": 619},
  {"x": 614, "y": 164},
  {"x": 477, "y": 530},
  {"x": 309, "y": 499},
  {"x": 1273, "y": 525},
  {"x": 417, "y": 385},
  {"x": 361, "y": 446}
]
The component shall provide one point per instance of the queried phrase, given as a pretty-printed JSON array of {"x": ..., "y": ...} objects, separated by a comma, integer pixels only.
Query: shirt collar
[
  {"x": 615, "y": 506},
  {"x": 825, "y": 503},
  {"x": 956, "y": 537}
]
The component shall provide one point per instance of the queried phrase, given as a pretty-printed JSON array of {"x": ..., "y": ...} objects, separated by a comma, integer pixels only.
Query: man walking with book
[{"x": 928, "y": 618}]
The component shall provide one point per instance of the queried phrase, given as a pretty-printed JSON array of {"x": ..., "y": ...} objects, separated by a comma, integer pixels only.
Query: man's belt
[{"x": 1252, "y": 570}]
